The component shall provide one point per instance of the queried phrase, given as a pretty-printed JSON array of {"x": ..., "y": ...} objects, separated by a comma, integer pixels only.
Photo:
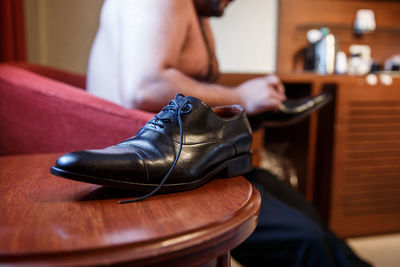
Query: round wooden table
[{"x": 47, "y": 220}]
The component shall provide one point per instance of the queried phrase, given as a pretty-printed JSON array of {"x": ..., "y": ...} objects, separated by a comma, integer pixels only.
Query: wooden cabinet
[
  {"x": 365, "y": 184},
  {"x": 347, "y": 155},
  {"x": 354, "y": 154},
  {"x": 353, "y": 171}
]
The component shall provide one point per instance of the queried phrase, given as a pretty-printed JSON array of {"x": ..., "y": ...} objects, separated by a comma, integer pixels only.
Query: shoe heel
[{"x": 238, "y": 166}]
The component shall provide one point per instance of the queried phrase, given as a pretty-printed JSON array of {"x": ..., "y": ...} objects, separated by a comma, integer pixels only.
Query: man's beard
[
  {"x": 215, "y": 8},
  {"x": 209, "y": 8}
]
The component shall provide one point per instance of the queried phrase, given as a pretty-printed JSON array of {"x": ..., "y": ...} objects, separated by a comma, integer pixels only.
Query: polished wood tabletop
[{"x": 49, "y": 220}]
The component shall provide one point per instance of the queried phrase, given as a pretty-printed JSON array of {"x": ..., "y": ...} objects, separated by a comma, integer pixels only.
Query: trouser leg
[{"x": 290, "y": 232}]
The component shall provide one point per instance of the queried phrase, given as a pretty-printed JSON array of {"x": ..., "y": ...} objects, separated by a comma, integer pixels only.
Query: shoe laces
[{"x": 167, "y": 115}]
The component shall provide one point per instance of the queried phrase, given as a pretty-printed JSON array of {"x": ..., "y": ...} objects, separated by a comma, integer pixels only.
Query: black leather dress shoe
[{"x": 181, "y": 148}]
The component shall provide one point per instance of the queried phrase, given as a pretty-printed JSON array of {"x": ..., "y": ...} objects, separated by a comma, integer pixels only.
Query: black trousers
[{"x": 290, "y": 232}]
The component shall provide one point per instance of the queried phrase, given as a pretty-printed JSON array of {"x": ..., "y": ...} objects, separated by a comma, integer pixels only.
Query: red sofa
[{"x": 46, "y": 110}]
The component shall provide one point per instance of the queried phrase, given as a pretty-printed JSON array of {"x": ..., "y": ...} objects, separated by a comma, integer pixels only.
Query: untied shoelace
[{"x": 159, "y": 121}]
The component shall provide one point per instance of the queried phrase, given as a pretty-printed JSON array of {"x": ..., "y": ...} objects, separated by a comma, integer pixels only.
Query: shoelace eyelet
[{"x": 187, "y": 108}]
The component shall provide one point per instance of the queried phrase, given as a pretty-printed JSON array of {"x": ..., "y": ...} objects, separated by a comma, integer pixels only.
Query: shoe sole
[
  {"x": 230, "y": 168},
  {"x": 283, "y": 119},
  {"x": 296, "y": 118}
]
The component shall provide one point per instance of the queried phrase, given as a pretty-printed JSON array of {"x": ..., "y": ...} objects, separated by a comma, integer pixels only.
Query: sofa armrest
[
  {"x": 74, "y": 79},
  {"x": 41, "y": 115}
]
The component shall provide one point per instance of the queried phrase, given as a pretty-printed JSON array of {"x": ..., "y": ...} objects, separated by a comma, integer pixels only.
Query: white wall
[
  {"x": 60, "y": 34},
  {"x": 246, "y": 36}
]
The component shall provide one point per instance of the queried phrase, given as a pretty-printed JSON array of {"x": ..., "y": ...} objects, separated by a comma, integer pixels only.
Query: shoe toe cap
[
  {"x": 78, "y": 161},
  {"x": 68, "y": 161},
  {"x": 112, "y": 162}
]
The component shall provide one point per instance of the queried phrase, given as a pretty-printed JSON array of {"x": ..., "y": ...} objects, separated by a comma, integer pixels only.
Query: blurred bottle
[
  {"x": 313, "y": 36},
  {"x": 325, "y": 53},
  {"x": 341, "y": 63}
]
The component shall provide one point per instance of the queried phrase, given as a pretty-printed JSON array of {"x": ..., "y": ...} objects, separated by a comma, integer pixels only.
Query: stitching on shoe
[{"x": 146, "y": 155}]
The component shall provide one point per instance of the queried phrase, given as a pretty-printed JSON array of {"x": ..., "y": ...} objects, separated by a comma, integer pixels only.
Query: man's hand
[{"x": 261, "y": 94}]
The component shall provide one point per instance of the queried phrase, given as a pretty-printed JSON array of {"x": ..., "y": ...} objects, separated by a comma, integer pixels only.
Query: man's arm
[
  {"x": 256, "y": 95},
  {"x": 149, "y": 55}
]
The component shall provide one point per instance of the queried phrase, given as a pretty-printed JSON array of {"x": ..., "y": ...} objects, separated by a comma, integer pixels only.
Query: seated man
[{"x": 147, "y": 51}]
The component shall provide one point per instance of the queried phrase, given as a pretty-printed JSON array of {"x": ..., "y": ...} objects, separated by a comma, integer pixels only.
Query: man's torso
[{"x": 105, "y": 67}]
